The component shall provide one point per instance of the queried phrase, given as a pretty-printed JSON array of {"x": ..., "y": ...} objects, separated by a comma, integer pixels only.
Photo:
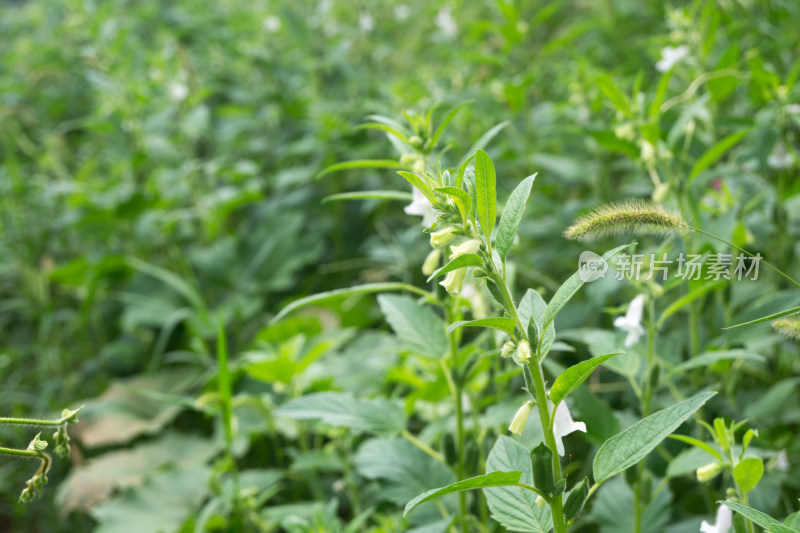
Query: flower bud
[
  {"x": 540, "y": 502},
  {"x": 415, "y": 141},
  {"x": 576, "y": 498},
  {"x": 467, "y": 247},
  {"x": 524, "y": 352},
  {"x": 708, "y": 472},
  {"x": 521, "y": 418},
  {"x": 419, "y": 166},
  {"x": 443, "y": 236},
  {"x": 453, "y": 281},
  {"x": 431, "y": 262},
  {"x": 507, "y": 349}
]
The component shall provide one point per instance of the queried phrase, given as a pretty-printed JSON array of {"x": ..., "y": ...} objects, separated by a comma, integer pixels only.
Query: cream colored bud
[
  {"x": 507, "y": 349},
  {"x": 468, "y": 247},
  {"x": 708, "y": 472},
  {"x": 419, "y": 166},
  {"x": 540, "y": 502},
  {"x": 524, "y": 352},
  {"x": 453, "y": 281},
  {"x": 431, "y": 262},
  {"x": 443, "y": 236},
  {"x": 520, "y": 419}
]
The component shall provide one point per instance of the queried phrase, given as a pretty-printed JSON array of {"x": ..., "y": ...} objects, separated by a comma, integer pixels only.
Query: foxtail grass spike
[
  {"x": 632, "y": 217},
  {"x": 789, "y": 327}
]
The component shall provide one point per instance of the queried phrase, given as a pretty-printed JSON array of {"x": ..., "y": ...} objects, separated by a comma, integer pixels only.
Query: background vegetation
[{"x": 158, "y": 169}]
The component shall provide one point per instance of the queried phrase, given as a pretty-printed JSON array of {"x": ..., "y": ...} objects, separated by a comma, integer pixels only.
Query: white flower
[
  {"x": 467, "y": 247},
  {"x": 366, "y": 22},
  {"x": 446, "y": 23},
  {"x": 271, "y": 24},
  {"x": 723, "y": 523},
  {"x": 793, "y": 109},
  {"x": 563, "y": 425},
  {"x": 402, "y": 12},
  {"x": 422, "y": 207},
  {"x": 520, "y": 418},
  {"x": 671, "y": 56},
  {"x": 453, "y": 280},
  {"x": 782, "y": 461},
  {"x": 632, "y": 321},
  {"x": 178, "y": 91},
  {"x": 780, "y": 157}
]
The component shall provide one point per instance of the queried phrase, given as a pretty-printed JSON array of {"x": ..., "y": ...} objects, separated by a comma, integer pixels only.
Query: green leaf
[
  {"x": 404, "y": 469},
  {"x": 780, "y": 528},
  {"x": 495, "y": 479},
  {"x": 570, "y": 378},
  {"x": 484, "y": 140},
  {"x": 370, "y": 195},
  {"x": 612, "y": 92},
  {"x": 708, "y": 358},
  {"x": 792, "y": 311},
  {"x": 699, "y": 444},
  {"x": 715, "y": 152},
  {"x": 512, "y": 215},
  {"x": 748, "y": 473},
  {"x": 505, "y": 325},
  {"x": 694, "y": 294},
  {"x": 628, "y": 447},
  {"x": 486, "y": 193},
  {"x": 755, "y": 516},
  {"x": 570, "y": 287},
  {"x": 339, "y": 409},
  {"x": 460, "y": 197},
  {"x": 362, "y": 163},
  {"x": 446, "y": 120},
  {"x": 367, "y": 288},
  {"x": 417, "y": 326},
  {"x": 172, "y": 280},
  {"x": 462, "y": 261},
  {"x": 514, "y": 507},
  {"x": 420, "y": 184},
  {"x": 532, "y": 307}
]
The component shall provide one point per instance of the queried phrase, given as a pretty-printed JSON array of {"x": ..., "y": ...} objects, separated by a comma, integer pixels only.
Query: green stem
[
  {"x": 456, "y": 387},
  {"x": 39, "y": 423},
  {"x": 540, "y": 395}
]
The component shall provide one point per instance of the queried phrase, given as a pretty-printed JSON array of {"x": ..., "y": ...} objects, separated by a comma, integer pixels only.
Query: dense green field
[{"x": 183, "y": 184}]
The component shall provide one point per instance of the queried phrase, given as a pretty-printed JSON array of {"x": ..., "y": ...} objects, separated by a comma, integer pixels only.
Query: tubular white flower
[
  {"x": 632, "y": 321},
  {"x": 467, "y": 247},
  {"x": 431, "y": 262},
  {"x": 420, "y": 206},
  {"x": 453, "y": 281},
  {"x": 723, "y": 522},
  {"x": 520, "y": 419},
  {"x": 671, "y": 56},
  {"x": 443, "y": 236},
  {"x": 563, "y": 425}
]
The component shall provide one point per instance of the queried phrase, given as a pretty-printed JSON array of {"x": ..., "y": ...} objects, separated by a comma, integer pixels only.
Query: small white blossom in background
[
  {"x": 446, "y": 23},
  {"x": 723, "y": 522},
  {"x": 780, "y": 157},
  {"x": 271, "y": 24},
  {"x": 178, "y": 91},
  {"x": 420, "y": 206},
  {"x": 563, "y": 425},
  {"x": 632, "y": 321},
  {"x": 782, "y": 461},
  {"x": 402, "y": 12},
  {"x": 793, "y": 109},
  {"x": 366, "y": 22},
  {"x": 671, "y": 56}
]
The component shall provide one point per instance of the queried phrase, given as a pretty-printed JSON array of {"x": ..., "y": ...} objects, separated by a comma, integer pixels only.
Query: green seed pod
[
  {"x": 542, "y": 462},
  {"x": 472, "y": 456},
  {"x": 576, "y": 498},
  {"x": 655, "y": 373},
  {"x": 449, "y": 448}
]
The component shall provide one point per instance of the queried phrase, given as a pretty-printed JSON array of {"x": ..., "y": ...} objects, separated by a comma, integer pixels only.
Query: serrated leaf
[
  {"x": 505, "y": 325},
  {"x": 404, "y": 469},
  {"x": 571, "y": 378},
  {"x": 628, "y": 447},
  {"x": 762, "y": 519},
  {"x": 462, "y": 261},
  {"x": 486, "y": 193},
  {"x": 495, "y": 479},
  {"x": 512, "y": 215},
  {"x": 339, "y": 409},
  {"x": 748, "y": 473},
  {"x": 416, "y": 326},
  {"x": 367, "y": 288},
  {"x": 513, "y": 507}
]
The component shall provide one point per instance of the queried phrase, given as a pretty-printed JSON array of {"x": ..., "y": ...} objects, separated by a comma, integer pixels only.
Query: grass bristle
[
  {"x": 636, "y": 217},
  {"x": 789, "y": 327}
]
